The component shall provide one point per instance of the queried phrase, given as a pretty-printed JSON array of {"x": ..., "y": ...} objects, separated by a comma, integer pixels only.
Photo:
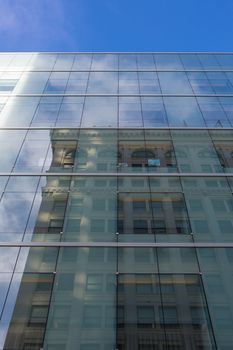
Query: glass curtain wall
[{"x": 116, "y": 204}]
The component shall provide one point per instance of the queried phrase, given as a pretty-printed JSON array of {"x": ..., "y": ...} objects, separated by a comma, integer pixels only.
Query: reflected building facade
[{"x": 116, "y": 204}]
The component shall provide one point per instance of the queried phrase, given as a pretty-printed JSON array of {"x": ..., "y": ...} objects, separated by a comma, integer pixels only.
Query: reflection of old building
[
  {"x": 116, "y": 204},
  {"x": 152, "y": 313}
]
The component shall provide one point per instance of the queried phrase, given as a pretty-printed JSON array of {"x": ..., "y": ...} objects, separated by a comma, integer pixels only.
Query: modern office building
[{"x": 116, "y": 207}]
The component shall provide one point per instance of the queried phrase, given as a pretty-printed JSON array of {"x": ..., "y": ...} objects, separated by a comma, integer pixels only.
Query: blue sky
[{"x": 116, "y": 25}]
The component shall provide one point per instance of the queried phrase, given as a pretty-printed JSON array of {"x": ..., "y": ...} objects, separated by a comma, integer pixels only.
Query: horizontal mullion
[
  {"x": 115, "y": 128},
  {"x": 118, "y": 244},
  {"x": 117, "y": 174},
  {"x": 116, "y": 95},
  {"x": 117, "y": 52},
  {"x": 186, "y": 70}
]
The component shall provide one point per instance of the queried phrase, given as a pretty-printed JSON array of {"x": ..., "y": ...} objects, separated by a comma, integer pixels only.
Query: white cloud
[{"x": 38, "y": 21}]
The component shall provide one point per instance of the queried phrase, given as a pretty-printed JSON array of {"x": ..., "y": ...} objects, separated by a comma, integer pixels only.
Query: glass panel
[
  {"x": 183, "y": 111},
  {"x": 128, "y": 83},
  {"x": 127, "y": 62},
  {"x": 43, "y": 61},
  {"x": 64, "y": 62},
  {"x": 190, "y": 62},
  {"x": 200, "y": 83},
  {"x": 46, "y": 113},
  {"x": 32, "y": 83},
  {"x": 224, "y": 147},
  {"x": 210, "y": 204},
  {"x": 5, "y": 60},
  {"x": 153, "y": 112},
  {"x": 169, "y": 213},
  {"x": 14, "y": 211},
  {"x": 208, "y": 61},
  {"x": 100, "y": 112},
  {"x": 97, "y": 151},
  {"x": 9, "y": 149},
  {"x": 174, "y": 83},
  {"x": 195, "y": 152},
  {"x": 83, "y": 304},
  {"x": 132, "y": 155},
  {"x": 133, "y": 184},
  {"x": 104, "y": 62},
  {"x": 135, "y": 214},
  {"x": 145, "y": 61},
  {"x": 159, "y": 152},
  {"x": 220, "y": 84},
  {"x": 31, "y": 156},
  {"x": 173, "y": 319},
  {"x": 170, "y": 61},
  {"x": 149, "y": 83},
  {"x": 91, "y": 214},
  {"x": 37, "y": 260},
  {"x": 29, "y": 318},
  {"x": 216, "y": 266},
  {"x": 82, "y": 62},
  {"x": 70, "y": 112},
  {"x": 165, "y": 184},
  {"x": 77, "y": 83},
  {"x": 22, "y": 107},
  {"x": 137, "y": 260},
  {"x": 212, "y": 112},
  {"x": 57, "y": 83},
  {"x": 102, "y": 83},
  {"x": 7, "y": 85},
  {"x": 130, "y": 112},
  {"x": 226, "y": 61}
]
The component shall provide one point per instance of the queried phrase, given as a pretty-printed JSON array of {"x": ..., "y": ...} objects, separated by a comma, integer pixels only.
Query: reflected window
[
  {"x": 170, "y": 214},
  {"x": 225, "y": 154},
  {"x": 143, "y": 319},
  {"x": 162, "y": 213},
  {"x": 92, "y": 316},
  {"x": 28, "y": 322}
]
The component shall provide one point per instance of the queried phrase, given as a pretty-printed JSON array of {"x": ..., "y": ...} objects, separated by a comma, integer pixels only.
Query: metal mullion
[
  {"x": 112, "y": 95},
  {"x": 57, "y": 258},
  {"x": 140, "y": 174},
  {"x": 26, "y": 128},
  {"x": 227, "y": 179},
  {"x": 59, "y": 109},
  {"x": 85, "y": 95},
  {"x": 164, "y": 106},
  {"x": 32, "y": 205},
  {"x": 142, "y": 118},
  {"x": 215, "y": 149},
  {"x": 122, "y": 53},
  {"x": 207, "y": 307},
  {"x": 50, "y": 298},
  {"x": 50, "y": 71},
  {"x": 217, "y": 98},
  {"x": 25, "y": 70},
  {"x": 41, "y": 96},
  {"x": 194, "y": 94},
  {"x": 74, "y": 244},
  {"x": 80, "y": 123},
  {"x": 117, "y": 210}
]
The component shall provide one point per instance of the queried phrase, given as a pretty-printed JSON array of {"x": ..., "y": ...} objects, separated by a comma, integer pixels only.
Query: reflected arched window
[{"x": 143, "y": 154}]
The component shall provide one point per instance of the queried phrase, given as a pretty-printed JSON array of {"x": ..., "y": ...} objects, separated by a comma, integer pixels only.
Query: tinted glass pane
[
  {"x": 167, "y": 320},
  {"x": 30, "y": 313}
]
